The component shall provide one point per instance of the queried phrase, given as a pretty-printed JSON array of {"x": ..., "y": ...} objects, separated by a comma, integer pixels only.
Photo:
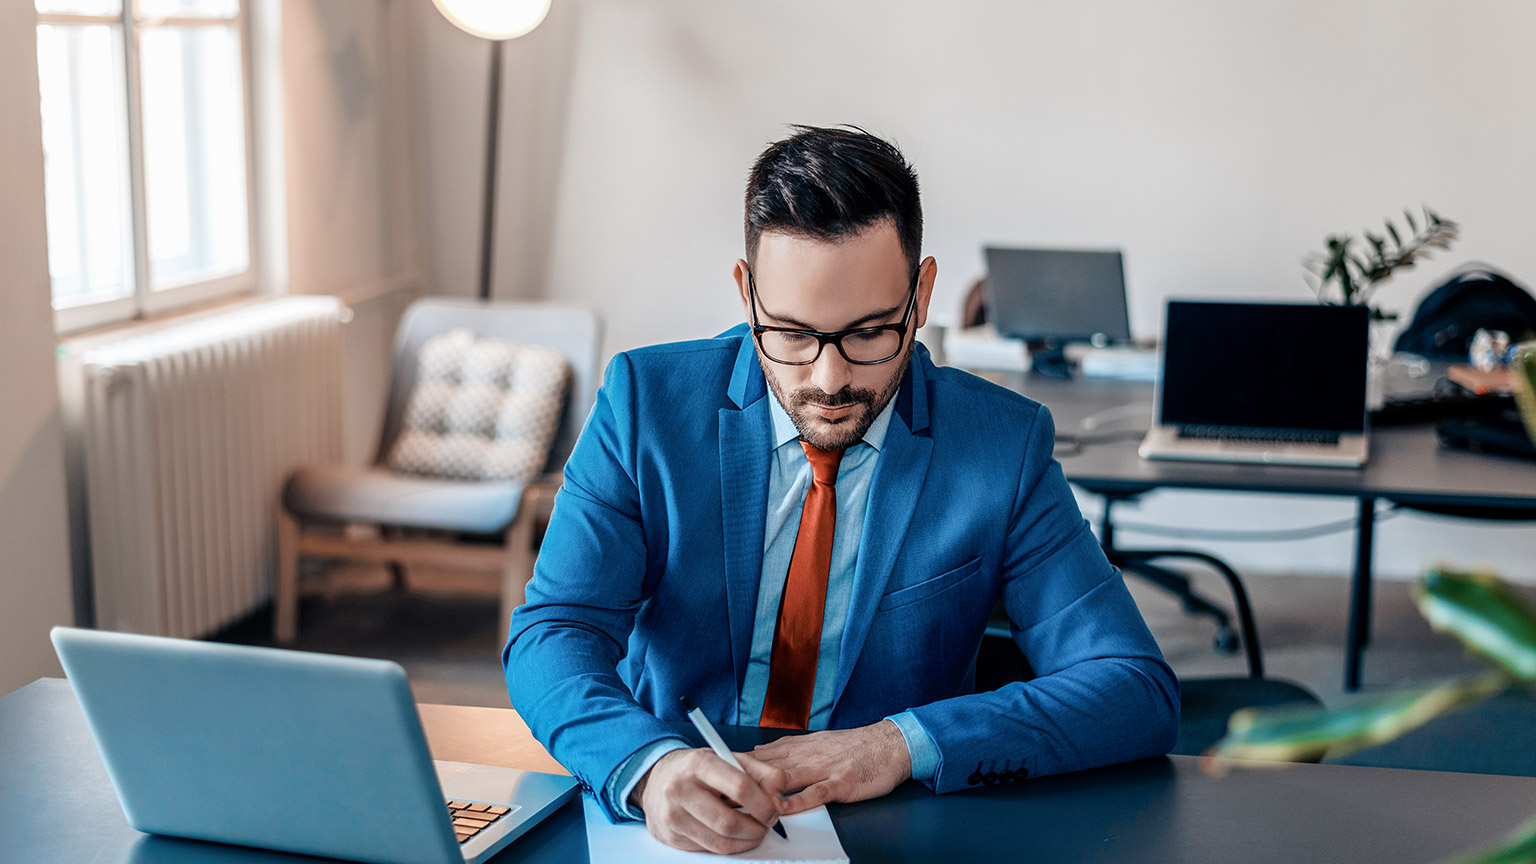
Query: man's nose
[{"x": 831, "y": 373}]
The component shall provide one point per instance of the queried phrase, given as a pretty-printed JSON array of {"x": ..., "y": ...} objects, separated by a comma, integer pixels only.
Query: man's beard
[{"x": 845, "y": 431}]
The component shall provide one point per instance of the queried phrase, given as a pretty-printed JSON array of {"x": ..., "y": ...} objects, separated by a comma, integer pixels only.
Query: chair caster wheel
[{"x": 1226, "y": 641}]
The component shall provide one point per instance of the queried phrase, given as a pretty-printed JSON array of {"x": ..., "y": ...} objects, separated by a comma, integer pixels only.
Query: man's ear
[
  {"x": 740, "y": 274},
  {"x": 928, "y": 270}
]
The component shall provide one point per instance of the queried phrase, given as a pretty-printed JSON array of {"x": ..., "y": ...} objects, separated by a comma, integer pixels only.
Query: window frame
[{"x": 144, "y": 300}]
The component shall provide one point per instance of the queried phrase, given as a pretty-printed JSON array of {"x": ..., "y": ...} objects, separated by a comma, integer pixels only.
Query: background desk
[
  {"x": 57, "y": 805},
  {"x": 1406, "y": 466}
]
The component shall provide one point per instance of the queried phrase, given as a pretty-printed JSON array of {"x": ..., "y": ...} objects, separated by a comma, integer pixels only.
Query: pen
[{"x": 707, "y": 729}]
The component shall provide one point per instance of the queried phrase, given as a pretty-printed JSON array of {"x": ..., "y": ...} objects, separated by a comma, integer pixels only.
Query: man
[{"x": 804, "y": 523}]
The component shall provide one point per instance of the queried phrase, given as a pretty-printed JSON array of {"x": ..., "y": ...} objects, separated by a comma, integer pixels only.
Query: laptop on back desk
[
  {"x": 287, "y": 750},
  {"x": 1274, "y": 383}
]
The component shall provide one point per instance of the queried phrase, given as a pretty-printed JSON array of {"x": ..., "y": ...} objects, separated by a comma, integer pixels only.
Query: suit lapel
[
  {"x": 892, "y": 500},
  {"x": 745, "y": 457}
]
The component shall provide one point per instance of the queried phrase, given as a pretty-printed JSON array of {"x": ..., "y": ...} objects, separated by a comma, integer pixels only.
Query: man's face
[{"x": 811, "y": 284}]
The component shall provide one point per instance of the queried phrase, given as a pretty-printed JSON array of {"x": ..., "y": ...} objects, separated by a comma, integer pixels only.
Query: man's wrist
[
  {"x": 922, "y": 751},
  {"x": 633, "y": 773},
  {"x": 896, "y": 742}
]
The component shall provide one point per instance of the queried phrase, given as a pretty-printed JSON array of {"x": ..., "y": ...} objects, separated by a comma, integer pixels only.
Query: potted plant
[
  {"x": 1347, "y": 274},
  {"x": 1479, "y": 610}
]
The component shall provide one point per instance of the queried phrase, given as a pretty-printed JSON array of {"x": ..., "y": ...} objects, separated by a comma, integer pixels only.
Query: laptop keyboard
[
  {"x": 1250, "y": 435},
  {"x": 470, "y": 818}
]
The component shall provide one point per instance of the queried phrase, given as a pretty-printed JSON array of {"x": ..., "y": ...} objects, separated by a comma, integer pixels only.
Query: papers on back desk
[{"x": 811, "y": 839}]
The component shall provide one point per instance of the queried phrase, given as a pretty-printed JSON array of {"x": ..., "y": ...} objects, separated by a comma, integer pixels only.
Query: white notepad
[{"x": 812, "y": 839}]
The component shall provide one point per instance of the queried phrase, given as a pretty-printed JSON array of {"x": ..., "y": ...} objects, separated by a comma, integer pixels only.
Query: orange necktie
[{"x": 797, "y": 638}]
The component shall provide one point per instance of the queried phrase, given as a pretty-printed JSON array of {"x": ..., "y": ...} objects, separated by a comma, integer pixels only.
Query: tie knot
[{"x": 823, "y": 462}]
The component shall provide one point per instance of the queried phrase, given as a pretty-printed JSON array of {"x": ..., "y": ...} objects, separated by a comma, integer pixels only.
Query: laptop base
[{"x": 1164, "y": 442}]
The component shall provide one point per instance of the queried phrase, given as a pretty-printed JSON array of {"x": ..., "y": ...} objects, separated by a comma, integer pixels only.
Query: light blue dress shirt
[{"x": 789, "y": 480}]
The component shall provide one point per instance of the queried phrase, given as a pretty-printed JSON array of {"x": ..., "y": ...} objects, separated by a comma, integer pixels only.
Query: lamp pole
[
  {"x": 493, "y": 133},
  {"x": 497, "y": 21}
]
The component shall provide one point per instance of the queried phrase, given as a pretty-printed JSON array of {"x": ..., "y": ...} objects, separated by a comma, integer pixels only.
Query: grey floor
[{"x": 444, "y": 632}]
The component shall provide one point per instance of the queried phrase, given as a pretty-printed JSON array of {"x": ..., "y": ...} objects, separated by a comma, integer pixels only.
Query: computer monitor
[{"x": 1055, "y": 296}]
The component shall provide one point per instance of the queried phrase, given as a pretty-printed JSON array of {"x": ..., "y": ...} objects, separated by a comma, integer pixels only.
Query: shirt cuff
[
  {"x": 627, "y": 776},
  {"x": 920, "y": 746}
]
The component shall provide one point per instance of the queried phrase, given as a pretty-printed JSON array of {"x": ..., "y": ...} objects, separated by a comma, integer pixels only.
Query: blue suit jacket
[{"x": 646, "y": 585}]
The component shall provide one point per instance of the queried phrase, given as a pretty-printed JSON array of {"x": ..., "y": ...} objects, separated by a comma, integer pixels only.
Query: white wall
[
  {"x": 34, "y": 555},
  {"x": 351, "y": 185},
  {"x": 1215, "y": 142},
  {"x": 451, "y": 79},
  {"x": 347, "y": 118}
]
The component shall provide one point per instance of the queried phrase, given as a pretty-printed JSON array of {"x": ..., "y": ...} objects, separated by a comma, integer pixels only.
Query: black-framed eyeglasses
[{"x": 861, "y": 346}]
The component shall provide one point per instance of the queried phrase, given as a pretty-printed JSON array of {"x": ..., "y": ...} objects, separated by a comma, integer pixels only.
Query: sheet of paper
[{"x": 811, "y": 839}]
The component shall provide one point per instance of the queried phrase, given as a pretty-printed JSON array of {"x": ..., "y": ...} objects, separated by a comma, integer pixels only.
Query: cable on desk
[
  {"x": 1306, "y": 533},
  {"x": 1117, "y": 412},
  {"x": 1076, "y": 443}
]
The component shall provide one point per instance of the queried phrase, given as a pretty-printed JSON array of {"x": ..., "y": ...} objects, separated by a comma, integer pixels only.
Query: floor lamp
[{"x": 497, "y": 21}]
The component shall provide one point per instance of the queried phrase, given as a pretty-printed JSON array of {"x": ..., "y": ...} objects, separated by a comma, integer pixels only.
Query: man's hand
[
  {"x": 690, "y": 798},
  {"x": 839, "y": 765}
]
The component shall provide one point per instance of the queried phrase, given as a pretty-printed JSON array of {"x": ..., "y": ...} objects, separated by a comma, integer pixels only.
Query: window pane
[
  {"x": 85, "y": 162},
  {"x": 188, "y": 8},
  {"x": 81, "y": 7},
  {"x": 194, "y": 153}
]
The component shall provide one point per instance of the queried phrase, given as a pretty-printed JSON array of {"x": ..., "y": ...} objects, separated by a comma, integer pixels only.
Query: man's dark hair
[{"x": 832, "y": 182}]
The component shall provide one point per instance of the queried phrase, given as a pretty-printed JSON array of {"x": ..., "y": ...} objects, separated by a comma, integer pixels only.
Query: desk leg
[{"x": 1360, "y": 595}]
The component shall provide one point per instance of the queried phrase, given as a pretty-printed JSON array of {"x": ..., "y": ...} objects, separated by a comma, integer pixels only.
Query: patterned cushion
[{"x": 482, "y": 409}]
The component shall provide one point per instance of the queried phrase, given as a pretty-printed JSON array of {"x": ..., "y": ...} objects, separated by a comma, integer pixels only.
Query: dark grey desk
[
  {"x": 1406, "y": 466},
  {"x": 57, "y": 805}
]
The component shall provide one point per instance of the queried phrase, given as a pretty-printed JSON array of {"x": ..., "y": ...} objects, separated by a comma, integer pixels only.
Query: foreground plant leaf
[
  {"x": 1485, "y": 614},
  {"x": 1310, "y": 733},
  {"x": 1519, "y": 848},
  {"x": 1522, "y": 374}
]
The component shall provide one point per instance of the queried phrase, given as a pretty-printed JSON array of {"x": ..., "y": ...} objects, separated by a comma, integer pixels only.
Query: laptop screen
[
  {"x": 1059, "y": 294},
  {"x": 1267, "y": 365}
]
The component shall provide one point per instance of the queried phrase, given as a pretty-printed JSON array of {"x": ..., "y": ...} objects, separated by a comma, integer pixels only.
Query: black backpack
[{"x": 1443, "y": 325}]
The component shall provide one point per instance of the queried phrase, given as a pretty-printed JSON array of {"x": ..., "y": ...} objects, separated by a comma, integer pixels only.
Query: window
[{"x": 146, "y": 154}]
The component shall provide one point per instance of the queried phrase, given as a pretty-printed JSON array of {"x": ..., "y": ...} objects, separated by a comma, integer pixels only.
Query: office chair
[
  {"x": 1141, "y": 563},
  {"x": 473, "y": 524},
  {"x": 1205, "y": 703}
]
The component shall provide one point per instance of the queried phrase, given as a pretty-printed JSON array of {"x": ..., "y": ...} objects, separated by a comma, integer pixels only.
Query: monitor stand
[{"x": 1049, "y": 359}]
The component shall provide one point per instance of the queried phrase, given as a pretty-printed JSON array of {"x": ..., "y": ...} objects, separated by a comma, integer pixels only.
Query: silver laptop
[
  {"x": 288, "y": 750},
  {"x": 1275, "y": 383}
]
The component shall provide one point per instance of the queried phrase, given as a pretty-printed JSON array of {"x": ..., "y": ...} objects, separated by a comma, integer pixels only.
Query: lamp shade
[{"x": 494, "y": 19}]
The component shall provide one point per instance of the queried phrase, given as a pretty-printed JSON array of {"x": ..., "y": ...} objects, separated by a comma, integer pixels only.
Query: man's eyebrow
[{"x": 852, "y": 325}]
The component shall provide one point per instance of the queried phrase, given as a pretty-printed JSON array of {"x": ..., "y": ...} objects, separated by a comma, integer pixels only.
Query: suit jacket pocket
[{"x": 929, "y": 587}]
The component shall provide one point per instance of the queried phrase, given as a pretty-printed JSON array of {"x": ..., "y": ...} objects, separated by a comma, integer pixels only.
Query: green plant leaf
[
  {"x": 1295, "y": 734},
  {"x": 1518, "y": 848},
  {"x": 1485, "y": 614},
  {"x": 1392, "y": 229},
  {"x": 1412, "y": 225},
  {"x": 1522, "y": 374}
]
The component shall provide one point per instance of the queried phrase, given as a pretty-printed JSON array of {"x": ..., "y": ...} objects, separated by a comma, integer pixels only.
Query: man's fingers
[
  {"x": 772, "y": 748},
  {"x": 743, "y": 789},
  {"x": 710, "y": 822},
  {"x": 789, "y": 771},
  {"x": 693, "y": 835},
  {"x": 662, "y": 830},
  {"x": 771, "y": 778},
  {"x": 811, "y": 797}
]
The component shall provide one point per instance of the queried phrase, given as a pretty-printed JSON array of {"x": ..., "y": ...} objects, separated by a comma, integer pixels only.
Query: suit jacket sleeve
[
  {"x": 566, "y": 641},
  {"x": 1103, "y": 694}
]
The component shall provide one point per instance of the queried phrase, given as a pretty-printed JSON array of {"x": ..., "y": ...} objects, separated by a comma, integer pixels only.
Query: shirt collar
[{"x": 784, "y": 430}]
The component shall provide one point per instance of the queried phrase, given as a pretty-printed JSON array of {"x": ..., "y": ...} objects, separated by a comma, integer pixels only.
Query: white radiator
[{"x": 187, "y": 434}]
